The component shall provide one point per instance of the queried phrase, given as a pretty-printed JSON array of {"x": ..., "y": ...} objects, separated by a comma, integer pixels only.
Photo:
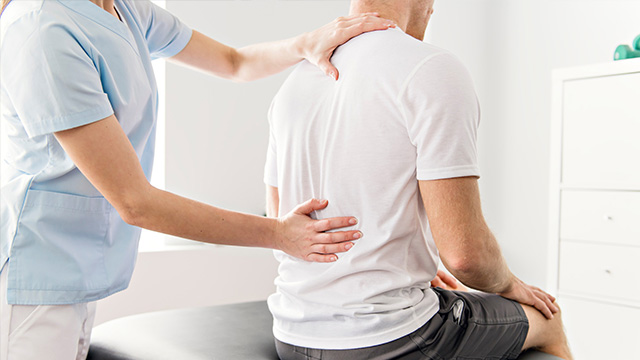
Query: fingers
[
  {"x": 549, "y": 296},
  {"x": 327, "y": 67},
  {"x": 543, "y": 308},
  {"x": 447, "y": 279},
  {"x": 334, "y": 223},
  {"x": 327, "y": 252},
  {"x": 335, "y": 238},
  {"x": 545, "y": 297},
  {"x": 310, "y": 206},
  {"x": 540, "y": 300},
  {"x": 331, "y": 249},
  {"x": 322, "y": 258},
  {"x": 371, "y": 21},
  {"x": 437, "y": 282}
]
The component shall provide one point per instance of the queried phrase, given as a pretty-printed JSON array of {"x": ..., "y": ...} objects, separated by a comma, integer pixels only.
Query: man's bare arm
[
  {"x": 273, "y": 201},
  {"x": 467, "y": 247}
]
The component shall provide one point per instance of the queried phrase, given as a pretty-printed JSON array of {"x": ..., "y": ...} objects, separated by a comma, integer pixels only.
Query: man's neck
[{"x": 402, "y": 18}]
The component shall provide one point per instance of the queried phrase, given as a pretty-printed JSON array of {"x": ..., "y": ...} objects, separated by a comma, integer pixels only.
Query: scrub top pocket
[{"x": 59, "y": 245}]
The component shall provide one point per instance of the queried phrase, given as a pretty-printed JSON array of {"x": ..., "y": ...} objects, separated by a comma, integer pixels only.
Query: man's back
[{"x": 362, "y": 143}]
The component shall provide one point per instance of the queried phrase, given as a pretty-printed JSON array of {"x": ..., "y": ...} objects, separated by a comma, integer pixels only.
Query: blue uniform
[{"x": 67, "y": 64}]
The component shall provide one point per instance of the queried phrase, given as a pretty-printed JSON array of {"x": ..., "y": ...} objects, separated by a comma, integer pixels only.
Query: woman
[{"x": 79, "y": 113}]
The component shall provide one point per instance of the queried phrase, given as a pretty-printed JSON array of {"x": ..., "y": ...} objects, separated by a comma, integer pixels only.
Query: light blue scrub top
[{"x": 67, "y": 64}]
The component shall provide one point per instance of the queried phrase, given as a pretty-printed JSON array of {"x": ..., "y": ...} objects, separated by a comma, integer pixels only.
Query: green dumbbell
[{"x": 626, "y": 52}]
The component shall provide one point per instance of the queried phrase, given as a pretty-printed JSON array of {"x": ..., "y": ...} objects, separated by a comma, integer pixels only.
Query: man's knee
[{"x": 546, "y": 334}]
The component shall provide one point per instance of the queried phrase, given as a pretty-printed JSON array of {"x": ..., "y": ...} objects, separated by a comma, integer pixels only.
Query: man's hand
[
  {"x": 318, "y": 45},
  {"x": 447, "y": 282},
  {"x": 300, "y": 236},
  {"x": 531, "y": 295}
]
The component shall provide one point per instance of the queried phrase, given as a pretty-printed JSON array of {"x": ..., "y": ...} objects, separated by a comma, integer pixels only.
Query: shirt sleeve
[
  {"x": 271, "y": 165},
  {"x": 50, "y": 78},
  {"x": 166, "y": 35},
  {"x": 442, "y": 116}
]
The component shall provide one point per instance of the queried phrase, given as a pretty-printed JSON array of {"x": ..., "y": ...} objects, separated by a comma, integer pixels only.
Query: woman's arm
[
  {"x": 257, "y": 61},
  {"x": 105, "y": 156}
]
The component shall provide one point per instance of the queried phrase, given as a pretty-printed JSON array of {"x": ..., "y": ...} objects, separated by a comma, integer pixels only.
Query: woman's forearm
[
  {"x": 171, "y": 214},
  {"x": 261, "y": 60}
]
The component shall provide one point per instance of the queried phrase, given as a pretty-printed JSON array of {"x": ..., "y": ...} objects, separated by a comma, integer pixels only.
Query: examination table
[{"x": 225, "y": 332}]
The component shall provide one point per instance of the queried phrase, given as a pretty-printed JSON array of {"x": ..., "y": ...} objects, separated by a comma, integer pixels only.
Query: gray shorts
[{"x": 468, "y": 326}]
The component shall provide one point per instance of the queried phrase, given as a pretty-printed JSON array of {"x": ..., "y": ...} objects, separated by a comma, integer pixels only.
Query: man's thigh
[
  {"x": 468, "y": 326},
  {"x": 473, "y": 325},
  {"x": 401, "y": 349}
]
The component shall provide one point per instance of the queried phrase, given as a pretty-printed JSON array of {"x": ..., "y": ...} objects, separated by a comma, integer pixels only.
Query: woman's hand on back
[{"x": 303, "y": 237}]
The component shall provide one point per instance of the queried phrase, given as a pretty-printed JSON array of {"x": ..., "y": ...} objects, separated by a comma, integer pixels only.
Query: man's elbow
[{"x": 459, "y": 264}]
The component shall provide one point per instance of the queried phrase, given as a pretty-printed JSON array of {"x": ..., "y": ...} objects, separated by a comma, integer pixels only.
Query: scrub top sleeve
[
  {"x": 166, "y": 35},
  {"x": 442, "y": 117},
  {"x": 51, "y": 81}
]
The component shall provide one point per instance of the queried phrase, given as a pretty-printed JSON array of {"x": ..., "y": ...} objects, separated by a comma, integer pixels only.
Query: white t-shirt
[{"x": 402, "y": 111}]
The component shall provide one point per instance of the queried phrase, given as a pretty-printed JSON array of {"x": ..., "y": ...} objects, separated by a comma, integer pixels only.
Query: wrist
[
  {"x": 506, "y": 285},
  {"x": 273, "y": 234},
  {"x": 300, "y": 46}
]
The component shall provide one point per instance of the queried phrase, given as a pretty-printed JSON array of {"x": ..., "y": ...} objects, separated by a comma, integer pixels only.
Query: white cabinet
[{"x": 595, "y": 207}]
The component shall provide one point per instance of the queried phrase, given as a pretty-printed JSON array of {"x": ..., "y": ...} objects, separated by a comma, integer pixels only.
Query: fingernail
[
  {"x": 353, "y": 221},
  {"x": 348, "y": 246},
  {"x": 357, "y": 235},
  {"x": 334, "y": 258}
]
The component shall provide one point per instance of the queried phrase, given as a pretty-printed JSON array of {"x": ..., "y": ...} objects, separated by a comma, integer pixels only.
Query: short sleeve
[
  {"x": 271, "y": 165},
  {"x": 50, "y": 78},
  {"x": 165, "y": 34},
  {"x": 442, "y": 117}
]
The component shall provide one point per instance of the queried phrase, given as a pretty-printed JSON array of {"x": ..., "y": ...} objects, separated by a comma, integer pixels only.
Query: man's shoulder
[
  {"x": 392, "y": 43},
  {"x": 390, "y": 54}
]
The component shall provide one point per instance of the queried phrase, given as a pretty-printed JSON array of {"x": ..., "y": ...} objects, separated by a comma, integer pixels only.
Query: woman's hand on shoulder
[{"x": 317, "y": 46}]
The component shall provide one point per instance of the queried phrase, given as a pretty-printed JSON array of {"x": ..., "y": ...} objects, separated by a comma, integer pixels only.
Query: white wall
[
  {"x": 511, "y": 46},
  {"x": 218, "y": 130}
]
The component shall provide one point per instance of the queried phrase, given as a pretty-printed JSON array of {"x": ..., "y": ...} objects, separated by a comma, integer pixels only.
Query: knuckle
[
  {"x": 310, "y": 226},
  {"x": 330, "y": 224}
]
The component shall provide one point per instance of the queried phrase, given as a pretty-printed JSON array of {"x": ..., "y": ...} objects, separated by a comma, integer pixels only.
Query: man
[{"x": 394, "y": 142}]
